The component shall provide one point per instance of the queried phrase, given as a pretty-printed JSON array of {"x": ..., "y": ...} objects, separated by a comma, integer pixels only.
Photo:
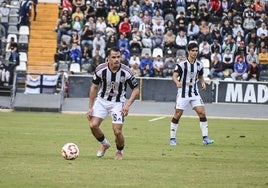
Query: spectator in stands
[
  {"x": 263, "y": 58},
  {"x": 158, "y": 65},
  {"x": 125, "y": 27},
  {"x": 262, "y": 19},
  {"x": 64, "y": 28},
  {"x": 236, "y": 29},
  {"x": 238, "y": 8},
  {"x": 76, "y": 38},
  {"x": 86, "y": 55},
  {"x": 101, "y": 9},
  {"x": 24, "y": 12},
  {"x": 215, "y": 8},
  {"x": 147, "y": 36},
  {"x": 111, "y": 42},
  {"x": 158, "y": 39},
  {"x": 169, "y": 7},
  {"x": 158, "y": 26},
  {"x": 251, "y": 37},
  {"x": 181, "y": 22},
  {"x": 204, "y": 49},
  {"x": 5, "y": 73},
  {"x": 229, "y": 43},
  {"x": 240, "y": 70},
  {"x": 14, "y": 56},
  {"x": 96, "y": 60},
  {"x": 192, "y": 30},
  {"x": 146, "y": 66},
  {"x": 169, "y": 40},
  {"x": 225, "y": 6},
  {"x": 258, "y": 7},
  {"x": 77, "y": 25},
  {"x": 228, "y": 60},
  {"x": 78, "y": 3},
  {"x": 89, "y": 10},
  {"x": 170, "y": 26},
  {"x": 91, "y": 24},
  {"x": 254, "y": 71},
  {"x": 125, "y": 51},
  {"x": 158, "y": 18},
  {"x": 216, "y": 53},
  {"x": 122, "y": 40},
  {"x": 76, "y": 53},
  {"x": 169, "y": 67},
  {"x": 4, "y": 12},
  {"x": 203, "y": 12},
  {"x": 262, "y": 42},
  {"x": 226, "y": 29},
  {"x": 124, "y": 60},
  {"x": 191, "y": 13},
  {"x": 249, "y": 24},
  {"x": 62, "y": 54},
  {"x": 262, "y": 30},
  {"x": 100, "y": 50},
  {"x": 147, "y": 6},
  {"x": 216, "y": 68},
  {"x": 134, "y": 63},
  {"x": 181, "y": 40},
  {"x": 135, "y": 44},
  {"x": 87, "y": 37},
  {"x": 252, "y": 57},
  {"x": 134, "y": 9},
  {"x": 99, "y": 40},
  {"x": 113, "y": 3},
  {"x": 101, "y": 26},
  {"x": 215, "y": 46},
  {"x": 123, "y": 10},
  {"x": 11, "y": 45},
  {"x": 113, "y": 18},
  {"x": 78, "y": 13},
  {"x": 204, "y": 33}
]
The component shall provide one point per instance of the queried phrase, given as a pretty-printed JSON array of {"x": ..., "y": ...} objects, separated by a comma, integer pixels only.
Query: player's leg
[
  {"x": 200, "y": 110},
  {"x": 117, "y": 123},
  {"x": 99, "y": 113},
  {"x": 181, "y": 105},
  {"x": 119, "y": 140}
]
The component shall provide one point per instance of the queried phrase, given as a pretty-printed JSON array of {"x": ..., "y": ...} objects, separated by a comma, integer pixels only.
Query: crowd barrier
[{"x": 164, "y": 90}]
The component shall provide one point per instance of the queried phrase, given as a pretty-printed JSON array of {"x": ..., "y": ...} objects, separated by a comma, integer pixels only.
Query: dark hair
[
  {"x": 114, "y": 49},
  {"x": 192, "y": 45}
]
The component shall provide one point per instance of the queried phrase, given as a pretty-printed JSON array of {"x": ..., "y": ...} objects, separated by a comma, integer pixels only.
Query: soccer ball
[{"x": 70, "y": 151}]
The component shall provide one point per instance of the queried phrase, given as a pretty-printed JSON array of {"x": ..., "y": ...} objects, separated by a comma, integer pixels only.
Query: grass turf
[{"x": 31, "y": 143}]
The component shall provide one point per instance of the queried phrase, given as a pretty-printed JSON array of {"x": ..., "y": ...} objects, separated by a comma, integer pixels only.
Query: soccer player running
[
  {"x": 186, "y": 75},
  {"x": 110, "y": 99}
]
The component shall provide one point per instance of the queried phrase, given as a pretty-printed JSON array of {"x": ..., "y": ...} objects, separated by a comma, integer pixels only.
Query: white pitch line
[{"x": 155, "y": 119}]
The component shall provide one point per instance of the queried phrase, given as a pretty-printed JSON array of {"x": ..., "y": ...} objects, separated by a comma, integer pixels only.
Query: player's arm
[
  {"x": 135, "y": 91},
  {"x": 92, "y": 95},
  {"x": 176, "y": 74},
  {"x": 202, "y": 80}
]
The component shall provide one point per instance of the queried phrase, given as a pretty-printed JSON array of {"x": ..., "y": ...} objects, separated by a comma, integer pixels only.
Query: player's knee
[{"x": 117, "y": 132}]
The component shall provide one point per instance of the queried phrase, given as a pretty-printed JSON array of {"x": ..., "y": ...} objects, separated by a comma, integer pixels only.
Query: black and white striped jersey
[
  {"x": 188, "y": 76},
  {"x": 114, "y": 85}
]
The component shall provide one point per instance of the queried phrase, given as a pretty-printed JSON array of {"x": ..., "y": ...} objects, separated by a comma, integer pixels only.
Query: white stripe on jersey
[
  {"x": 188, "y": 76},
  {"x": 113, "y": 85}
]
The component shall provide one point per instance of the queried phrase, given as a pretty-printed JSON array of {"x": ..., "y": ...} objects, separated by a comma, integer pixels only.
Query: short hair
[
  {"x": 114, "y": 49},
  {"x": 192, "y": 45}
]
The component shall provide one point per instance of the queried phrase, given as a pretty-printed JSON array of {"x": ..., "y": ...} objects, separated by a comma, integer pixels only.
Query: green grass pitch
[{"x": 31, "y": 142}]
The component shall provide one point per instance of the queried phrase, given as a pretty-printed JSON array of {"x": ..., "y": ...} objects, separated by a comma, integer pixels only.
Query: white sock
[
  {"x": 173, "y": 130},
  {"x": 204, "y": 128},
  {"x": 105, "y": 142}
]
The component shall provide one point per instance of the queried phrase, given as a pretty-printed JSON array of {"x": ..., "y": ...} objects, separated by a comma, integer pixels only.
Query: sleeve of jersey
[
  {"x": 132, "y": 82},
  {"x": 96, "y": 79},
  {"x": 178, "y": 69},
  {"x": 201, "y": 72}
]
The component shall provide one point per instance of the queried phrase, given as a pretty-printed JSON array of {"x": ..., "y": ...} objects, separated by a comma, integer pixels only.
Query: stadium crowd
[{"x": 153, "y": 35}]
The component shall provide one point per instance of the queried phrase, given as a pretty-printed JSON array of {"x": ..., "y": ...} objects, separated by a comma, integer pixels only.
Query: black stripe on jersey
[
  {"x": 196, "y": 78},
  {"x": 104, "y": 80},
  {"x": 184, "y": 79},
  {"x": 191, "y": 80},
  {"x": 111, "y": 92},
  {"x": 120, "y": 87}
]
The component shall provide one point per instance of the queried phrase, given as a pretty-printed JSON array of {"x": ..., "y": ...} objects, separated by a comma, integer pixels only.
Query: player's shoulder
[
  {"x": 101, "y": 67},
  {"x": 126, "y": 68}
]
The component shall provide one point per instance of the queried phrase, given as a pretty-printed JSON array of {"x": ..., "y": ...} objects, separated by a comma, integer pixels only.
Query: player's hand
[
  {"x": 124, "y": 110},
  {"x": 179, "y": 85},
  {"x": 204, "y": 86},
  {"x": 88, "y": 114}
]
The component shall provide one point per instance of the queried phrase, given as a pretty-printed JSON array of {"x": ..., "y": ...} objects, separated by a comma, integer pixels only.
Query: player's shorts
[
  {"x": 102, "y": 108},
  {"x": 182, "y": 103}
]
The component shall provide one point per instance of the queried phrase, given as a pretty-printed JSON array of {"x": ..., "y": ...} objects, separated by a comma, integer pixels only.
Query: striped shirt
[
  {"x": 188, "y": 76},
  {"x": 114, "y": 85}
]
